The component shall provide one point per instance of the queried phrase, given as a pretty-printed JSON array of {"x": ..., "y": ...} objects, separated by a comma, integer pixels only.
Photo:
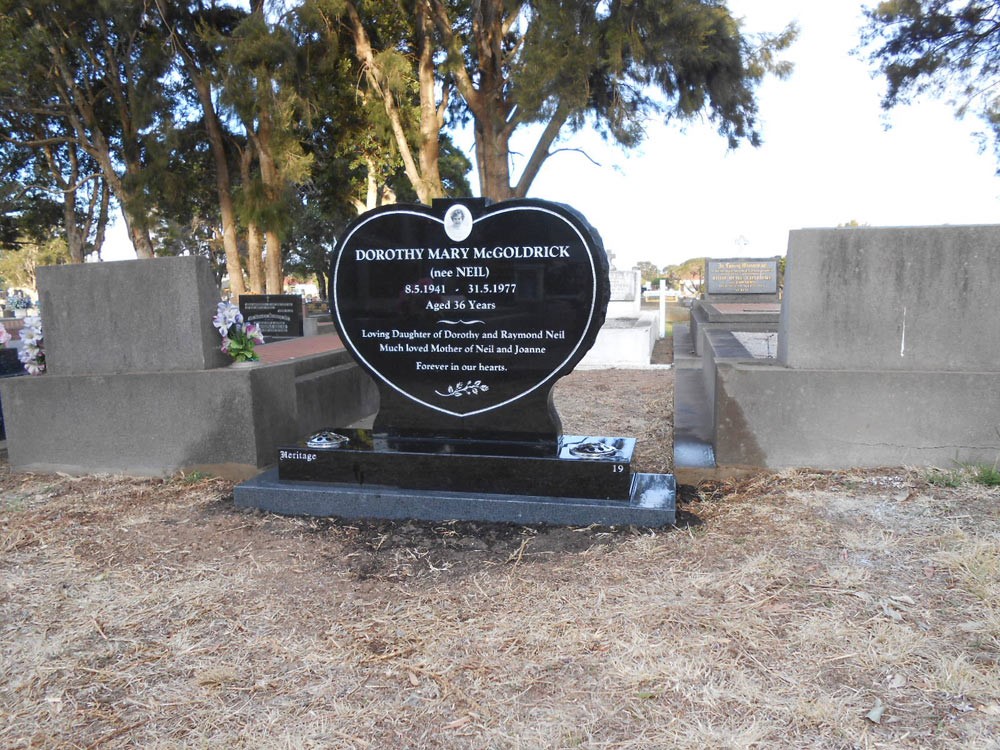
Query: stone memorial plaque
[
  {"x": 623, "y": 286},
  {"x": 742, "y": 276},
  {"x": 467, "y": 314},
  {"x": 278, "y": 315}
]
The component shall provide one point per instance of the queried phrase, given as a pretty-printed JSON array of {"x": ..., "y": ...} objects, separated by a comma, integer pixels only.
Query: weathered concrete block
[
  {"x": 777, "y": 417},
  {"x": 910, "y": 298},
  {"x": 130, "y": 316}
]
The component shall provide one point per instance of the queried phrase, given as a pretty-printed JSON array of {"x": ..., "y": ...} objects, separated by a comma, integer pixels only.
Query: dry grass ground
[{"x": 800, "y": 610}]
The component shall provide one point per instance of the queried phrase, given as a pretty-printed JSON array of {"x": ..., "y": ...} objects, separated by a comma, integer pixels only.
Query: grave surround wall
[
  {"x": 155, "y": 410},
  {"x": 888, "y": 354}
]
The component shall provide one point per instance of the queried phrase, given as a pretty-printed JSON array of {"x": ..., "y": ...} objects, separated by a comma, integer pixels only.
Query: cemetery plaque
[
  {"x": 278, "y": 315},
  {"x": 466, "y": 314},
  {"x": 623, "y": 285},
  {"x": 742, "y": 276}
]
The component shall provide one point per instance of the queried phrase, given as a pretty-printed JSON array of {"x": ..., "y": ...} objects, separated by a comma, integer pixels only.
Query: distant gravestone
[
  {"x": 465, "y": 315},
  {"x": 623, "y": 285},
  {"x": 626, "y": 293},
  {"x": 741, "y": 279},
  {"x": 278, "y": 315}
]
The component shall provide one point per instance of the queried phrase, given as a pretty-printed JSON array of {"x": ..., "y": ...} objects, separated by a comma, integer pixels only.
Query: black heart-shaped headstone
[{"x": 466, "y": 314}]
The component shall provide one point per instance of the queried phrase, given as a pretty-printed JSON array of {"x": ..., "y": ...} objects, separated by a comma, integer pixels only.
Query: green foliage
[
  {"x": 17, "y": 266},
  {"x": 940, "y": 478},
  {"x": 612, "y": 66},
  {"x": 693, "y": 268},
  {"x": 192, "y": 477},
  {"x": 988, "y": 476},
  {"x": 940, "y": 47},
  {"x": 649, "y": 271},
  {"x": 86, "y": 91},
  {"x": 983, "y": 474},
  {"x": 676, "y": 58}
]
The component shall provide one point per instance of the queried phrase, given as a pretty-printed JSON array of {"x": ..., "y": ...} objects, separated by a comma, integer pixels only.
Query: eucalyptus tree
[
  {"x": 560, "y": 65},
  {"x": 49, "y": 185},
  {"x": 262, "y": 64},
  {"x": 197, "y": 32},
  {"x": 610, "y": 65},
  {"x": 398, "y": 57},
  {"x": 101, "y": 69},
  {"x": 48, "y": 181}
]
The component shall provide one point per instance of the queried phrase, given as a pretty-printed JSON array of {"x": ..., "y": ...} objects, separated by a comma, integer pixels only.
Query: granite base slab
[
  {"x": 448, "y": 466},
  {"x": 652, "y": 504}
]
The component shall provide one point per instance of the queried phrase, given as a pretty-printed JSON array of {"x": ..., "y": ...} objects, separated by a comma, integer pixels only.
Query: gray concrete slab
[
  {"x": 895, "y": 298},
  {"x": 130, "y": 316},
  {"x": 653, "y": 503},
  {"x": 777, "y": 417}
]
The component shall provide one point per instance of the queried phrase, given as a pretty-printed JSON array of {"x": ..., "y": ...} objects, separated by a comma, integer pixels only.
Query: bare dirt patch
[{"x": 804, "y": 609}]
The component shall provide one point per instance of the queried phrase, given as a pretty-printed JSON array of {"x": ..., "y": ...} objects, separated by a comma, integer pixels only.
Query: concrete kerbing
[{"x": 692, "y": 476}]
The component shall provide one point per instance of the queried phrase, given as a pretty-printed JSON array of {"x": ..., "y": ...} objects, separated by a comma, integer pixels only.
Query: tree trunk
[
  {"x": 322, "y": 283},
  {"x": 431, "y": 118},
  {"x": 371, "y": 197},
  {"x": 81, "y": 115},
  {"x": 272, "y": 263},
  {"x": 426, "y": 186},
  {"x": 271, "y": 177},
  {"x": 74, "y": 241},
  {"x": 138, "y": 230},
  {"x": 541, "y": 152},
  {"x": 255, "y": 258},
  {"x": 140, "y": 237},
  {"x": 75, "y": 237},
  {"x": 493, "y": 159},
  {"x": 255, "y": 237},
  {"x": 483, "y": 87},
  {"x": 102, "y": 218},
  {"x": 223, "y": 186}
]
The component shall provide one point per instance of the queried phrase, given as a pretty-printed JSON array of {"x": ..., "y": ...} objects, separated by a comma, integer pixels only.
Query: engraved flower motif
[{"x": 470, "y": 388}]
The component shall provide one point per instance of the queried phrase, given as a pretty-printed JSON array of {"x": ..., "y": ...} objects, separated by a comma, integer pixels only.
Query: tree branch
[
  {"x": 463, "y": 79},
  {"x": 363, "y": 46},
  {"x": 36, "y": 143},
  {"x": 587, "y": 156},
  {"x": 541, "y": 151}
]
